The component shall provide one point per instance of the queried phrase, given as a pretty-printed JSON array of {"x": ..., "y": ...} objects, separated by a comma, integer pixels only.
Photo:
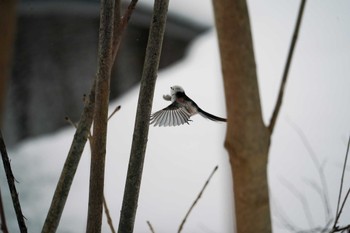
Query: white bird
[{"x": 180, "y": 110}]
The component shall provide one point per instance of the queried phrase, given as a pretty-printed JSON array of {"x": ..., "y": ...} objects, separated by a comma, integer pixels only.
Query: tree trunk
[
  {"x": 247, "y": 139},
  {"x": 7, "y": 38},
  {"x": 98, "y": 144},
  {"x": 144, "y": 107}
]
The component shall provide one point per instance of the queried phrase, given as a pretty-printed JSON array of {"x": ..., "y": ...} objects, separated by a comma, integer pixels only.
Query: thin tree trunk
[
  {"x": 247, "y": 139},
  {"x": 98, "y": 148},
  {"x": 11, "y": 182},
  {"x": 80, "y": 137},
  {"x": 3, "y": 224},
  {"x": 139, "y": 143},
  {"x": 7, "y": 39},
  {"x": 70, "y": 166}
]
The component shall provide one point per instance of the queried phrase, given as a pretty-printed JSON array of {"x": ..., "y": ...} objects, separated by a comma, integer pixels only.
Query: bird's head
[{"x": 176, "y": 89}]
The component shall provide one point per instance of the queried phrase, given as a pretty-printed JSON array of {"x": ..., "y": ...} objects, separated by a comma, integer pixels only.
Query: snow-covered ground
[{"x": 179, "y": 159}]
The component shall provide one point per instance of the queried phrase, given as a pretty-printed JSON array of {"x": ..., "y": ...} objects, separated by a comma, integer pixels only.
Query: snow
[{"x": 179, "y": 159}]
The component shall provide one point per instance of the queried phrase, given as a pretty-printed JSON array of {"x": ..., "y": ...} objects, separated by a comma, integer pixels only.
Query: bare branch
[
  {"x": 344, "y": 201},
  {"x": 278, "y": 105},
  {"x": 3, "y": 225},
  {"x": 302, "y": 199},
  {"x": 98, "y": 152},
  {"x": 319, "y": 169},
  {"x": 120, "y": 24},
  {"x": 140, "y": 135},
  {"x": 341, "y": 229},
  {"x": 150, "y": 227},
  {"x": 75, "y": 152},
  {"x": 197, "y": 199},
  {"x": 341, "y": 186},
  {"x": 71, "y": 122},
  {"x": 282, "y": 217},
  {"x": 11, "y": 182},
  {"x": 109, "y": 219},
  {"x": 114, "y": 111}
]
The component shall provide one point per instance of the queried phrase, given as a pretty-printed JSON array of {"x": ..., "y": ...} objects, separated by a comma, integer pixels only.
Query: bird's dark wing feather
[{"x": 173, "y": 115}]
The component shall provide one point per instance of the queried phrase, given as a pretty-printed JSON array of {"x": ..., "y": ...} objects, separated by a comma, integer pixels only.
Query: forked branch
[{"x": 80, "y": 137}]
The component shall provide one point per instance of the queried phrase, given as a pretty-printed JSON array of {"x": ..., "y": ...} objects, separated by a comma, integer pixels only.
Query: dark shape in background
[{"x": 55, "y": 61}]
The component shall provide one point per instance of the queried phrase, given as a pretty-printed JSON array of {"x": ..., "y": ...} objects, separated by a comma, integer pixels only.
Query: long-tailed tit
[{"x": 180, "y": 110}]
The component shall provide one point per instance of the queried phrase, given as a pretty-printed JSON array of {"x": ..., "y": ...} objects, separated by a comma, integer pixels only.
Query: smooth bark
[
  {"x": 140, "y": 135},
  {"x": 247, "y": 138},
  {"x": 7, "y": 30},
  {"x": 99, "y": 138}
]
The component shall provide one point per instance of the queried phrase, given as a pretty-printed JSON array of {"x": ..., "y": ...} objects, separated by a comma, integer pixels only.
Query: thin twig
[
  {"x": 302, "y": 200},
  {"x": 150, "y": 227},
  {"x": 278, "y": 105},
  {"x": 140, "y": 135},
  {"x": 319, "y": 169},
  {"x": 70, "y": 166},
  {"x": 320, "y": 191},
  {"x": 284, "y": 219},
  {"x": 341, "y": 209},
  {"x": 197, "y": 199},
  {"x": 3, "y": 225},
  {"x": 109, "y": 219},
  {"x": 120, "y": 26},
  {"x": 341, "y": 185},
  {"x": 114, "y": 111},
  {"x": 341, "y": 229},
  {"x": 11, "y": 182},
  {"x": 71, "y": 122}
]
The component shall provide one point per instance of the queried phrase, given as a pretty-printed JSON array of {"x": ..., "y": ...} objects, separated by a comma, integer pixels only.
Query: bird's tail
[{"x": 210, "y": 116}]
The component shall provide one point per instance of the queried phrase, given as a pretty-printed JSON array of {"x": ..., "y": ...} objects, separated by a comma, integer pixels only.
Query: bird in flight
[{"x": 180, "y": 110}]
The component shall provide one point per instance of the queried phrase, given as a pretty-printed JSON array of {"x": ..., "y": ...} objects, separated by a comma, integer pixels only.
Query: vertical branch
[
  {"x": 94, "y": 220},
  {"x": 139, "y": 143},
  {"x": 70, "y": 166},
  {"x": 12, "y": 186},
  {"x": 80, "y": 137},
  {"x": 247, "y": 138},
  {"x": 3, "y": 225},
  {"x": 120, "y": 24},
  {"x": 278, "y": 105},
  {"x": 341, "y": 186},
  {"x": 7, "y": 28}
]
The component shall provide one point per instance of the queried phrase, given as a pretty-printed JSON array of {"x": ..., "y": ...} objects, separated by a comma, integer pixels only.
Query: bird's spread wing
[{"x": 173, "y": 115}]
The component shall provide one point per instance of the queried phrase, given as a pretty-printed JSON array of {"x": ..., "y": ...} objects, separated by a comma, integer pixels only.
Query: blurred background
[{"x": 55, "y": 59}]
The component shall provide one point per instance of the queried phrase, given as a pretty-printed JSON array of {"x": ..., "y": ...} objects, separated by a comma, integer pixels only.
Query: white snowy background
[{"x": 179, "y": 159}]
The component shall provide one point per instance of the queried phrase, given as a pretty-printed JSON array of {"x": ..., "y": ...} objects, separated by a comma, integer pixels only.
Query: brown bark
[
  {"x": 144, "y": 107},
  {"x": 7, "y": 30},
  {"x": 81, "y": 135},
  {"x": 247, "y": 139},
  {"x": 11, "y": 182},
  {"x": 98, "y": 145}
]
